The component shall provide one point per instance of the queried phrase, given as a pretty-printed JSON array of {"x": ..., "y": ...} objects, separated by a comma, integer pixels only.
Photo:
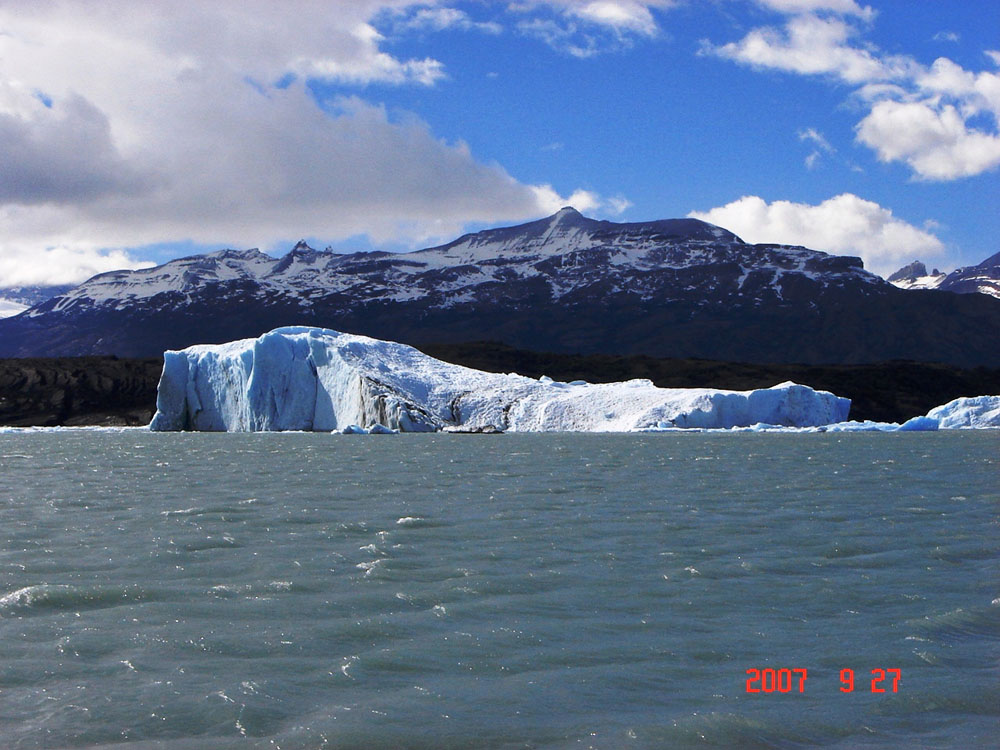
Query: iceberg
[
  {"x": 967, "y": 413},
  {"x": 302, "y": 378},
  {"x": 977, "y": 412}
]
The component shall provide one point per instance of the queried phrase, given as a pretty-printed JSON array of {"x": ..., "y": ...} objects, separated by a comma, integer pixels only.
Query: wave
[
  {"x": 960, "y": 624},
  {"x": 45, "y": 598}
]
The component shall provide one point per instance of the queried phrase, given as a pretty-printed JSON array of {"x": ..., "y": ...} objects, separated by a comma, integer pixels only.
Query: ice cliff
[{"x": 318, "y": 379}]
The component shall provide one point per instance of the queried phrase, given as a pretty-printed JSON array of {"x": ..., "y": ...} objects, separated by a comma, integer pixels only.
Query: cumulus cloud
[
  {"x": 975, "y": 92},
  {"x": 930, "y": 127},
  {"x": 936, "y": 142},
  {"x": 843, "y": 225},
  {"x": 621, "y": 15},
  {"x": 61, "y": 153},
  {"x": 368, "y": 64},
  {"x": 810, "y": 45},
  {"x": 127, "y": 123},
  {"x": 919, "y": 114},
  {"x": 582, "y": 200}
]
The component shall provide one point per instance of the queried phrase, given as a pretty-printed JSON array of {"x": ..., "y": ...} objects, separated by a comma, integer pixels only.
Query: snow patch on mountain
[
  {"x": 915, "y": 276},
  {"x": 301, "y": 378},
  {"x": 930, "y": 281}
]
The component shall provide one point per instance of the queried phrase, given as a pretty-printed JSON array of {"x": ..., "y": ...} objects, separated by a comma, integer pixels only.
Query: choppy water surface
[{"x": 609, "y": 591}]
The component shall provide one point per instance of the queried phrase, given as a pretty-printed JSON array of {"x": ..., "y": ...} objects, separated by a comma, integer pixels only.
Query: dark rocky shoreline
[{"x": 77, "y": 391}]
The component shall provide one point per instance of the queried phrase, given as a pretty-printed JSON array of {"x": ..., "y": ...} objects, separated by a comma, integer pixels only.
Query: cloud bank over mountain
[
  {"x": 843, "y": 225},
  {"x": 133, "y": 128},
  {"x": 129, "y": 123}
]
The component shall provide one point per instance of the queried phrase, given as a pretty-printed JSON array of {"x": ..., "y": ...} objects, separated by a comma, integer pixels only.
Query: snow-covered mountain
[
  {"x": 566, "y": 253},
  {"x": 983, "y": 278},
  {"x": 915, "y": 276},
  {"x": 566, "y": 283}
]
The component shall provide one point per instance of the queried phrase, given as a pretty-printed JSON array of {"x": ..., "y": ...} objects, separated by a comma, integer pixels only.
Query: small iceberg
[{"x": 977, "y": 413}]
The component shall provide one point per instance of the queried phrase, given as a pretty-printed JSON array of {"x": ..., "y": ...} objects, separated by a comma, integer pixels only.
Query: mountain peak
[
  {"x": 914, "y": 270},
  {"x": 567, "y": 215}
]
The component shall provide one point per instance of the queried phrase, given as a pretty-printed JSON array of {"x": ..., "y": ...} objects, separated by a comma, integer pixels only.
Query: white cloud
[
  {"x": 935, "y": 142},
  {"x": 60, "y": 154},
  {"x": 370, "y": 65},
  {"x": 974, "y": 92},
  {"x": 844, "y": 225},
  {"x": 617, "y": 205},
  {"x": 810, "y": 45},
  {"x": 30, "y": 266},
  {"x": 822, "y": 146},
  {"x": 584, "y": 28},
  {"x": 946, "y": 36},
  {"x": 166, "y": 125},
  {"x": 622, "y": 15},
  {"x": 561, "y": 37},
  {"x": 440, "y": 19},
  {"x": 843, "y": 7},
  {"x": 919, "y": 115},
  {"x": 584, "y": 201},
  {"x": 814, "y": 136}
]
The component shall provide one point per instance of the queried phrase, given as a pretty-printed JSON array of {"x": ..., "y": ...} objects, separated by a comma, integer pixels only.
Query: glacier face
[{"x": 302, "y": 378}]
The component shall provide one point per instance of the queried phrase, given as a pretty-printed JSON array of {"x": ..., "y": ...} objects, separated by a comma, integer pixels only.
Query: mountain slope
[
  {"x": 680, "y": 288},
  {"x": 983, "y": 278}
]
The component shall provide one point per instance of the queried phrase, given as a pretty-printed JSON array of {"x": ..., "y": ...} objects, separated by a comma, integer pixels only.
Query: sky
[{"x": 133, "y": 132}]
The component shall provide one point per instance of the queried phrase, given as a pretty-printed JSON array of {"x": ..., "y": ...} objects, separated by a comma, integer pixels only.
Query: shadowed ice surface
[{"x": 434, "y": 591}]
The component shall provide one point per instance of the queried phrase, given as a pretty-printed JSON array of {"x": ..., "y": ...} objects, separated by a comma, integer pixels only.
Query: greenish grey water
[{"x": 550, "y": 591}]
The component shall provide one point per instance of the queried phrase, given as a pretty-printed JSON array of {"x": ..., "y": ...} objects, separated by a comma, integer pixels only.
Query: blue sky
[{"x": 134, "y": 133}]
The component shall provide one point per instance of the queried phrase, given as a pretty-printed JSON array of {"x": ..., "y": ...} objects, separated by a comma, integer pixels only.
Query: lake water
[{"x": 510, "y": 591}]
